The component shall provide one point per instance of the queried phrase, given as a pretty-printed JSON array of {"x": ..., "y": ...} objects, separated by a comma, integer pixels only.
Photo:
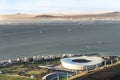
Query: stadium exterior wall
[{"x": 94, "y": 62}]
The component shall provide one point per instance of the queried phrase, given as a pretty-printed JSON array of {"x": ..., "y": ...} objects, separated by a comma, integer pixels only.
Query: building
[{"x": 82, "y": 62}]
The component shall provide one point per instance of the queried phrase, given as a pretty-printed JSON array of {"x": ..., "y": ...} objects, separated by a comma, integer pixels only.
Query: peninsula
[{"x": 62, "y": 16}]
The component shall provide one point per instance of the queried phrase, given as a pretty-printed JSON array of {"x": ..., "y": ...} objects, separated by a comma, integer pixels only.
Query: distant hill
[
  {"x": 43, "y": 16},
  {"x": 90, "y": 16},
  {"x": 111, "y": 14}
]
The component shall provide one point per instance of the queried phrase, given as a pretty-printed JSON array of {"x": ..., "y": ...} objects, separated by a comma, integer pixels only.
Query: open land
[
  {"x": 62, "y": 16},
  {"x": 26, "y": 71},
  {"x": 9, "y": 77}
]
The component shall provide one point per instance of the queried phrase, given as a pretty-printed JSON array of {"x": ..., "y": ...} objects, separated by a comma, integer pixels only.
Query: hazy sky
[{"x": 43, "y": 6}]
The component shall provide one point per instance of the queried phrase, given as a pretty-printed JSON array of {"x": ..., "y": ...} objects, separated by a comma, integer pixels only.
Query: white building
[{"x": 80, "y": 63}]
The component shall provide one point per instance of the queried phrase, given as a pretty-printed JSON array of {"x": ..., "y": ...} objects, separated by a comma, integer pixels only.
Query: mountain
[
  {"x": 100, "y": 16},
  {"x": 112, "y": 14},
  {"x": 44, "y": 16}
]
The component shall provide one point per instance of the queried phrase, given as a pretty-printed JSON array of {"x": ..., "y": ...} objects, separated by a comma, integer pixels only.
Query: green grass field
[
  {"x": 7, "y": 77},
  {"x": 26, "y": 70}
]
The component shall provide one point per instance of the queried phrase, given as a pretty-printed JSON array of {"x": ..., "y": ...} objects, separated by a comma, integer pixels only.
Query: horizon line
[{"x": 79, "y": 12}]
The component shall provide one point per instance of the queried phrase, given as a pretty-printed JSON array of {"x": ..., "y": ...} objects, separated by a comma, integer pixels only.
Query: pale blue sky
[{"x": 44, "y": 6}]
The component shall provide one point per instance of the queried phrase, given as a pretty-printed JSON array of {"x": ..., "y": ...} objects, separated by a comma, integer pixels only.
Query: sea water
[{"x": 49, "y": 38}]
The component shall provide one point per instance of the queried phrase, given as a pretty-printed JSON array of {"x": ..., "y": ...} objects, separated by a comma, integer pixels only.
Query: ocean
[{"x": 59, "y": 37}]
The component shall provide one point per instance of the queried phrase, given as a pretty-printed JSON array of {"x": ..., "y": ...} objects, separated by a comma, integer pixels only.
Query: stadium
[{"x": 82, "y": 62}]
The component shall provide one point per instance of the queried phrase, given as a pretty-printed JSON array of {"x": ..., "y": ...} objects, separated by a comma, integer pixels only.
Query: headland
[{"x": 62, "y": 16}]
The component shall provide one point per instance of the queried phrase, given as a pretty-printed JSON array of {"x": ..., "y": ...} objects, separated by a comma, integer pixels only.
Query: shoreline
[
  {"x": 64, "y": 19},
  {"x": 62, "y": 16},
  {"x": 77, "y": 21},
  {"x": 28, "y": 59},
  {"x": 34, "y": 60}
]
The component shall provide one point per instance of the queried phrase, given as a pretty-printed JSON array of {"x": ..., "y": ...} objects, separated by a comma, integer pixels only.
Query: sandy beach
[{"x": 62, "y": 16}]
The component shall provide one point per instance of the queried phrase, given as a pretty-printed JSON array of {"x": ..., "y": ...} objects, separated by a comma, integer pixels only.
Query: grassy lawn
[
  {"x": 36, "y": 72},
  {"x": 11, "y": 68},
  {"x": 39, "y": 73},
  {"x": 51, "y": 62},
  {"x": 6, "y": 77},
  {"x": 27, "y": 70}
]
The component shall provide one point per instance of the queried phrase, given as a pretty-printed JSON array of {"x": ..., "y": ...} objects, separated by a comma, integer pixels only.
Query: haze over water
[{"x": 49, "y": 38}]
